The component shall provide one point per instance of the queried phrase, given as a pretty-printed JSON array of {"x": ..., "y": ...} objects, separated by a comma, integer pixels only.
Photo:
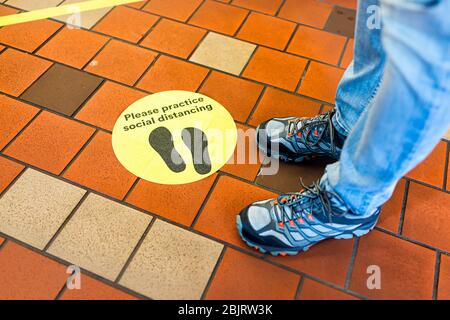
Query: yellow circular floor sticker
[{"x": 174, "y": 137}]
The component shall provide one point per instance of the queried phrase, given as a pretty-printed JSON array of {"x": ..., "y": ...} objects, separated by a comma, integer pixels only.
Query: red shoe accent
[
  {"x": 292, "y": 223},
  {"x": 301, "y": 220},
  {"x": 283, "y": 254},
  {"x": 281, "y": 224},
  {"x": 316, "y": 133},
  {"x": 310, "y": 217},
  {"x": 299, "y": 134}
]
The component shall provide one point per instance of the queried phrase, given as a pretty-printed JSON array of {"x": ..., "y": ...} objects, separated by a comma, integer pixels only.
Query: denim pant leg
[{"x": 410, "y": 112}]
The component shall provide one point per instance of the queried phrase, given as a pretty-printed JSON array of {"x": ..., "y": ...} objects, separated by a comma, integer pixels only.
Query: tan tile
[
  {"x": 447, "y": 135},
  {"x": 172, "y": 263},
  {"x": 33, "y": 5},
  {"x": 100, "y": 236},
  {"x": 87, "y": 18},
  {"x": 223, "y": 53},
  {"x": 36, "y": 206}
]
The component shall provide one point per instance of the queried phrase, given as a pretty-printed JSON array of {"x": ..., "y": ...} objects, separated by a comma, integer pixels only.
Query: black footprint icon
[
  {"x": 162, "y": 141},
  {"x": 196, "y": 140}
]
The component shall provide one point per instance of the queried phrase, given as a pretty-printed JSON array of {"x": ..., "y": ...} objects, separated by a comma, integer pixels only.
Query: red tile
[
  {"x": 321, "y": 82},
  {"x": 348, "y": 54},
  {"x": 229, "y": 197},
  {"x": 318, "y": 45},
  {"x": 314, "y": 13},
  {"x": 263, "y": 281},
  {"x": 275, "y": 68},
  {"x": 176, "y": 9},
  {"x": 103, "y": 109},
  {"x": 10, "y": 170},
  {"x": 117, "y": 23},
  {"x": 98, "y": 168},
  {"x": 267, "y": 31},
  {"x": 265, "y": 6},
  {"x": 14, "y": 116},
  {"x": 219, "y": 17},
  {"x": 165, "y": 75},
  {"x": 391, "y": 210},
  {"x": 50, "y": 142},
  {"x": 427, "y": 216},
  {"x": 312, "y": 290},
  {"x": 431, "y": 170},
  {"x": 238, "y": 96},
  {"x": 121, "y": 62},
  {"x": 189, "y": 198},
  {"x": 175, "y": 38},
  {"x": 444, "y": 278},
  {"x": 19, "y": 70},
  {"x": 406, "y": 269},
  {"x": 27, "y": 275}
]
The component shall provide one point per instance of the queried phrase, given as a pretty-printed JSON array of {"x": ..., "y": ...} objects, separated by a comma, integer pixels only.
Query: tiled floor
[{"x": 65, "y": 199}]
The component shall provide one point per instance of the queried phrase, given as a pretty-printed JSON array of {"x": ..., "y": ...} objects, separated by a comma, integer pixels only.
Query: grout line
[
  {"x": 446, "y": 167},
  {"x": 57, "y": 31},
  {"x": 352, "y": 263},
  {"x": 279, "y": 10},
  {"x": 213, "y": 273},
  {"x": 235, "y": 34},
  {"x": 341, "y": 57},
  {"x": 147, "y": 70},
  {"x": 61, "y": 292},
  {"x": 125, "y": 198},
  {"x": 12, "y": 182},
  {"x": 299, "y": 288},
  {"x": 202, "y": 84},
  {"x": 147, "y": 33},
  {"x": 250, "y": 58},
  {"x": 89, "y": 97},
  {"x": 403, "y": 209},
  {"x": 110, "y": 39},
  {"x": 197, "y": 46},
  {"x": 76, "y": 156},
  {"x": 291, "y": 38},
  {"x": 258, "y": 101},
  {"x": 205, "y": 201},
  {"x": 436, "y": 275},
  {"x": 3, "y": 244},
  {"x": 187, "y": 21},
  {"x": 297, "y": 88},
  {"x": 104, "y": 16}
]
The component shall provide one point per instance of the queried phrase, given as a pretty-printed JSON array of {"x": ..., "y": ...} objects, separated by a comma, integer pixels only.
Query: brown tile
[
  {"x": 10, "y": 170},
  {"x": 189, "y": 198},
  {"x": 19, "y": 70},
  {"x": 321, "y": 82},
  {"x": 407, "y": 270},
  {"x": 348, "y": 54},
  {"x": 27, "y": 275},
  {"x": 229, "y": 197},
  {"x": 310, "y": 12},
  {"x": 175, "y": 9},
  {"x": 28, "y": 36},
  {"x": 117, "y": 23},
  {"x": 267, "y": 31},
  {"x": 444, "y": 278},
  {"x": 219, "y": 17},
  {"x": 427, "y": 216},
  {"x": 342, "y": 21},
  {"x": 431, "y": 170},
  {"x": 275, "y": 68},
  {"x": 318, "y": 45},
  {"x": 165, "y": 75},
  {"x": 121, "y": 62},
  {"x": 351, "y": 4},
  {"x": 265, "y": 6},
  {"x": 65, "y": 47},
  {"x": 103, "y": 109},
  {"x": 263, "y": 281},
  {"x": 312, "y": 290},
  {"x": 50, "y": 142},
  {"x": 62, "y": 89},
  {"x": 14, "y": 116},
  {"x": 391, "y": 210},
  {"x": 292, "y": 106},
  {"x": 238, "y": 96},
  {"x": 175, "y": 38},
  {"x": 98, "y": 168}
]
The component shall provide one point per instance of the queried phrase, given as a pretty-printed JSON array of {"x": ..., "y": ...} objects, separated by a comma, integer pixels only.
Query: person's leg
[{"x": 410, "y": 112}]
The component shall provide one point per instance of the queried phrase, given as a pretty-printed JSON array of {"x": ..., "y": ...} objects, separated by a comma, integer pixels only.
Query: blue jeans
[{"x": 393, "y": 102}]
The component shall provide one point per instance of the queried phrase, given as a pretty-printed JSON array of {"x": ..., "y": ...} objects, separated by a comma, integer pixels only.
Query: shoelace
[
  {"x": 299, "y": 125},
  {"x": 315, "y": 192}
]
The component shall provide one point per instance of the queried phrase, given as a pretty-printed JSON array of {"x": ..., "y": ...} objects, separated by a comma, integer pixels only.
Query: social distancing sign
[{"x": 174, "y": 137}]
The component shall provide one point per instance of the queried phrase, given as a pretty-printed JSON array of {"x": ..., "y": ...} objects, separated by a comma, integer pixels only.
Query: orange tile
[
  {"x": 237, "y": 95},
  {"x": 175, "y": 38},
  {"x": 391, "y": 210},
  {"x": 292, "y": 106},
  {"x": 98, "y": 168},
  {"x": 431, "y": 170},
  {"x": 275, "y": 68},
  {"x": 27, "y": 275},
  {"x": 444, "y": 278},
  {"x": 117, "y": 23},
  {"x": 263, "y": 281},
  {"x": 175, "y": 9},
  {"x": 229, "y": 197},
  {"x": 312, "y": 290},
  {"x": 321, "y": 82},
  {"x": 348, "y": 54},
  {"x": 219, "y": 17},
  {"x": 10, "y": 170},
  {"x": 50, "y": 142},
  {"x": 103, "y": 109},
  {"x": 2, "y": 240},
  {"x": 19, "y": 70},
  {"x": 314, "y": 13},
  {"x": 165, "y": 75},
  {"x": 121, "y": 62},
  {"x": 406, "y": 269},
  {"x": 427, "y": 216},
  {"x": 266, "y": 6},
  {"x": 14, "y": 115},
  {"x": 189, "y": 198},
  {"x": 318, "y": 45},
  {"x": 266, "y": 30},
  {"x": 6, "y": 11},
  {"x": 66, "y": 47},
  {"x": 30, "y": 35},
  {"x": 137, "y": 5},
  {"x": 92, "y": 289}
]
